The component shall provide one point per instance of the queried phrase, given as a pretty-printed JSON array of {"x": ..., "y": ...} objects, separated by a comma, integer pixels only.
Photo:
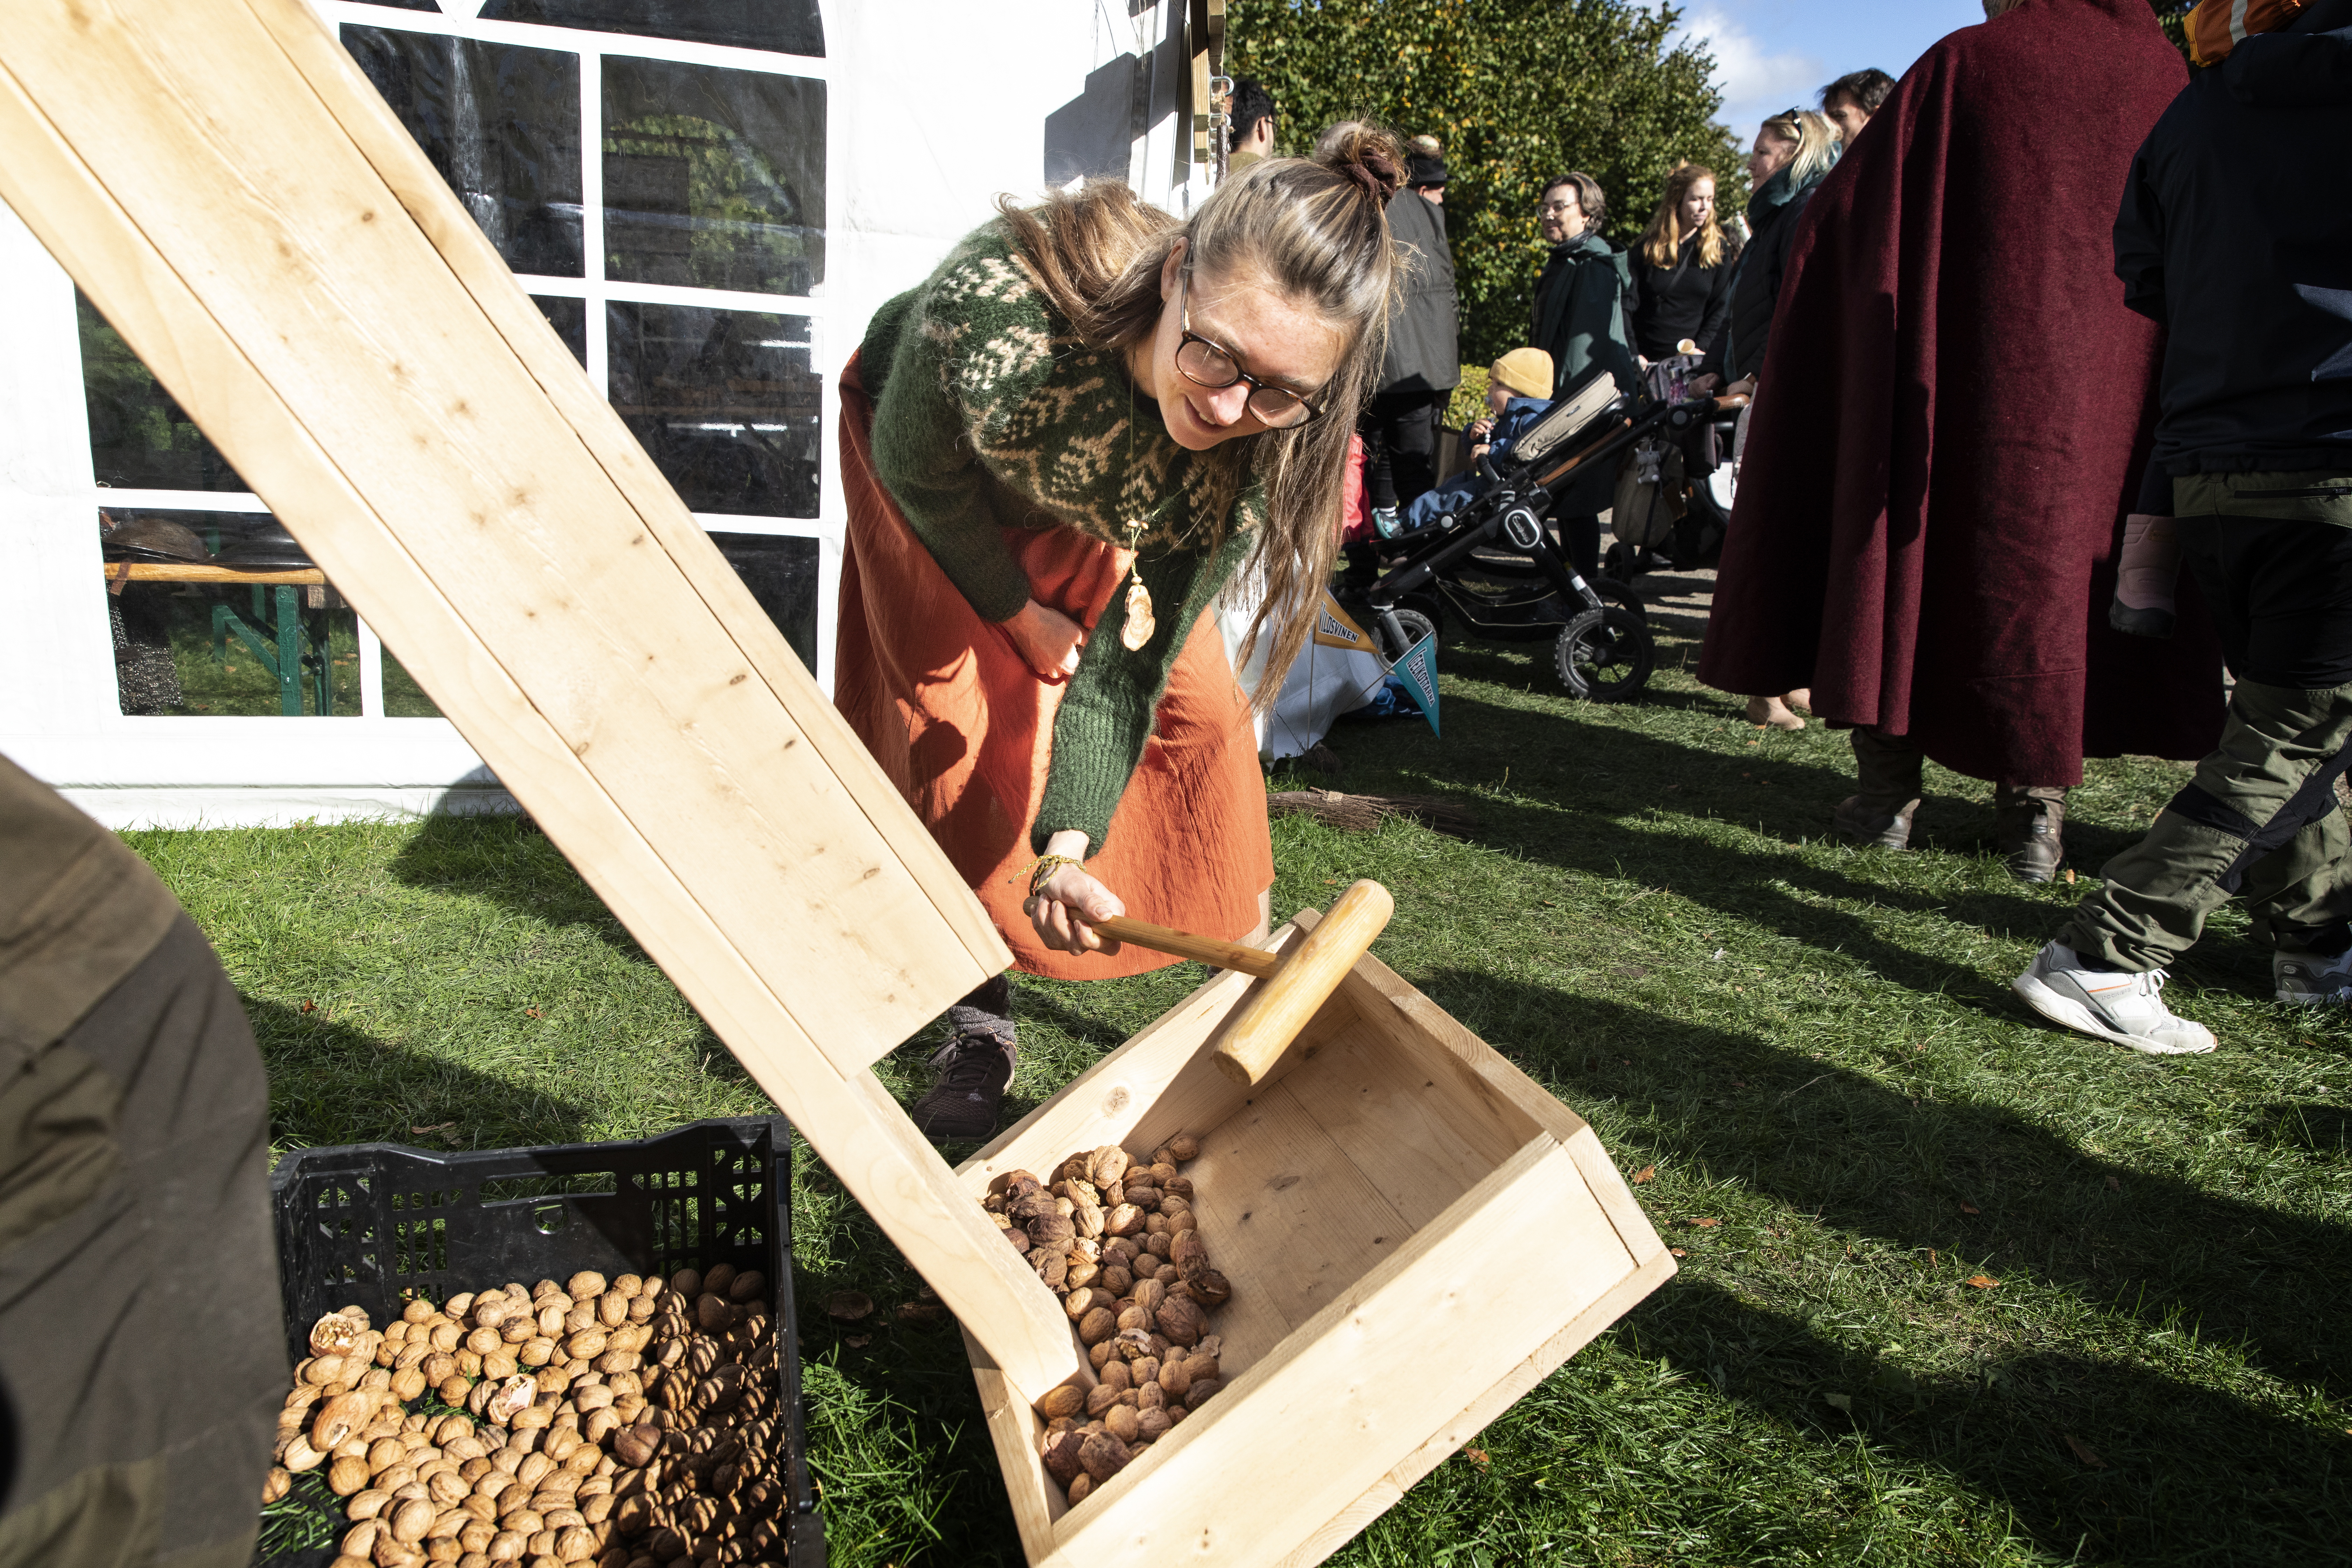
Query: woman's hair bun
[{"x": 1364, "y": 153}]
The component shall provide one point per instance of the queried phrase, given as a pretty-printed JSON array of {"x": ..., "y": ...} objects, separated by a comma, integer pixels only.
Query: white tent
[{"x": 709, "y": 210}]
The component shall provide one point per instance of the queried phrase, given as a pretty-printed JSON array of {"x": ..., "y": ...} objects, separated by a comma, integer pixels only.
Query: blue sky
[{"x": 1770, "y": 54}]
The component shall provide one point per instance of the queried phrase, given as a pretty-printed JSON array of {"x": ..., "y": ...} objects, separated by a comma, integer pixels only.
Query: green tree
[{"x": 1518, "y": 91}]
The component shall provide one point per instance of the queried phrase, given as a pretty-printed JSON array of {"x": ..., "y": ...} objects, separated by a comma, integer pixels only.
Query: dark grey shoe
[
  {"x": 1858, "y": 822},
  {"x": 974, "y": 1067},
  {"x": 1888, "y": 769},
  {"x": 2032, "y": 828}
]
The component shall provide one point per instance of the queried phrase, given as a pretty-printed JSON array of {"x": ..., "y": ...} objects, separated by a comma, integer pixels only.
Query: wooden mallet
[{"x": 1292, "y": 990}]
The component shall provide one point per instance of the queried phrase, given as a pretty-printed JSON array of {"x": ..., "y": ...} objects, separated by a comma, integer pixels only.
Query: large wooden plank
[
  {"x": 597, "y": 601},
  {"x": 477, "y": 264},
  {"x": 851, "y": 1121}
]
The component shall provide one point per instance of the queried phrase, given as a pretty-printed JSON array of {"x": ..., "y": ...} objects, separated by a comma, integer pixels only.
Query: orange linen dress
[{"x": 964, "y": 727}]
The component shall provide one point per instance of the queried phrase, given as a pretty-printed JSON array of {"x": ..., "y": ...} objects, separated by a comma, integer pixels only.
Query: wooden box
[{"x": 1373, "y": 1203}]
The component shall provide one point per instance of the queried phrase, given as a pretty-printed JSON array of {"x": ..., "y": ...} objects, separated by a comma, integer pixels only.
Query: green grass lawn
[{"x": 1815, "y": 1047}]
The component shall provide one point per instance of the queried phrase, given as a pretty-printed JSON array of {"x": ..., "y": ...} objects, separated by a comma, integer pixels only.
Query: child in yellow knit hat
[{"x": 1518, "y": 389}]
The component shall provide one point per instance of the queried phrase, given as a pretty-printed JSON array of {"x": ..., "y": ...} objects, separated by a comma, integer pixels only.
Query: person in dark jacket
[
  {"x": 1682, "y": 269},
  {"x": 1795, "y": 150},
  {"x": 141, "y": 1357},
  {"x": 1848, "y": 103},
  {"x": 1423, "y": 364},
  {"x": 1583, "y": 319},
  {"x": 2236, "y": 237}
]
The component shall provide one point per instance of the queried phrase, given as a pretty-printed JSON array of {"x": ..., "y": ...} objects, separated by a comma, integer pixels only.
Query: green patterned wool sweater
[{"x": 989, "y": 413}]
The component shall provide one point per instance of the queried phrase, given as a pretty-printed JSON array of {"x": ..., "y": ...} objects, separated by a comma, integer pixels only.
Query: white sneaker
[
  {"x": 2125, "y": 1008},
  {"x": 2307, "y": 980}
]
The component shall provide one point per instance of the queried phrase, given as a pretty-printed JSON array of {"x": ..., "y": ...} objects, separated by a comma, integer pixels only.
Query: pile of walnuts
[
  {"x": 627, "y": 1426},
  {"x": 1117, "y": 1241}
]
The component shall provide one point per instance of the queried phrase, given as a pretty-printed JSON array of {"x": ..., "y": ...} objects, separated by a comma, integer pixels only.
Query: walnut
[
  {"x": 1080, "y": 1485},
  {"x": 1120, "y": 1421},
  {"x": 336, "y": 1334},
  {"x": 1211, "y": 1289},
  {"x": 1103, "y": 1455},
  {"x": 1184, "y": 1146},
  {"x": 411, "y": 1518},
  {"x": 1067, "y": 1399},
  {"x": 1061, "y": 1457}
]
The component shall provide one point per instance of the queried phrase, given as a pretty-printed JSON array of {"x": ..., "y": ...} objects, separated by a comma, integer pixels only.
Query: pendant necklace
[{"x": 1141, "y": 622}]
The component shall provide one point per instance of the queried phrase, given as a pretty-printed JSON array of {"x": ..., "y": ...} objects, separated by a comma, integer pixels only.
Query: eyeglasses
[{"x": 1206, "y": 364}]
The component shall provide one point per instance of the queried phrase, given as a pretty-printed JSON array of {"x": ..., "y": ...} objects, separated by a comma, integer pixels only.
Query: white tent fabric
[{"x": 1322, "y": 683}]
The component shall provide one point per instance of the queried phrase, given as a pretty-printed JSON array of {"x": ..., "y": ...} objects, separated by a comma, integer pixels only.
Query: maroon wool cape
[{"x": 1954, "y": 416}]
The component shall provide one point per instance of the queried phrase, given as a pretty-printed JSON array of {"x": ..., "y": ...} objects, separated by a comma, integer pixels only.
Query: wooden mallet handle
[
  {"x": 1184, "y": 944},
  {"x": 1295, "y": 988}
]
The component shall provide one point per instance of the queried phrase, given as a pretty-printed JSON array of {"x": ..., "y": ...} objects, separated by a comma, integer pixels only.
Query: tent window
[
  {"x": 726, "y": 402},
  {"x": 713, "y": 178},
  {"x": 786, "y": 27},
  {"x": 503, "y": 125}
]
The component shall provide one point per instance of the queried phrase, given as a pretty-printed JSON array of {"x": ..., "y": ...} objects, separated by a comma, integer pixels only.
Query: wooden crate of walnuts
[
  {"x": 627, "y": 1424},
  {"x": 1117, "y": 1240},
  {"x": 1347, "y": 1220}
]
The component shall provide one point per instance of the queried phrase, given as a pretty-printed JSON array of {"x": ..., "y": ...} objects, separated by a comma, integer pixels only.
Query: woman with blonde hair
[
  {"x": 1683, "y": 267},
  {"x": 1795, "y": 150},
  {"x": 1057, "y": 451}
]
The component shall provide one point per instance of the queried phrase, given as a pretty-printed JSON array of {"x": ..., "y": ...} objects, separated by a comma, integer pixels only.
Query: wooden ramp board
[{"x": 234, "y": 195}]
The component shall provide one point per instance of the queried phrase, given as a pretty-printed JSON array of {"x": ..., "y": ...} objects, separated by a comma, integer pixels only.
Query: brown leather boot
[
  {"x": 1888, "y": 771},
  {"x": 2029, "y": 829}
]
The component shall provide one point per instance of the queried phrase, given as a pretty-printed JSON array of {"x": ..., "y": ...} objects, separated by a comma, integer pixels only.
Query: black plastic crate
[{"x": 373, "y": 1223}]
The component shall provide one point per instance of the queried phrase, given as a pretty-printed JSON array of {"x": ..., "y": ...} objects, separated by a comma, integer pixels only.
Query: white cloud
[{"x": 1755, "y": 80}]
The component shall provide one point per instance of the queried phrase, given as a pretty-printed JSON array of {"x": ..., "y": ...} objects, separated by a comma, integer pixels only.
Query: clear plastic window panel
[
  {"x": 713, "y": 178},
  {"x": 503, "y": 125},
  {"x": 787, "y": 26},
  {"x": 727, "y": 403},
  {"x": 138, "y": 437},
  {"x": 569, "y": 320},
  {"x": 782, "y": 576},
  {"x": 196, "y": 634}
]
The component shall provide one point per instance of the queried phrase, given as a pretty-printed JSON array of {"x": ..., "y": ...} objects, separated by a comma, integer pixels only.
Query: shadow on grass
[
  {"x": 2157, "y": 1470},
  {"x": 508, "y": 860},
  {"x": 1828, "y": 1142},
  {"x": 1594, "y": 817},
  {"x": 331, "y": 1084}
]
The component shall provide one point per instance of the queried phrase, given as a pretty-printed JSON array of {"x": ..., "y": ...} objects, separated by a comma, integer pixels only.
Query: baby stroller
[
  {"x": 1672, "y": 504},
  {"x": 1455, "y": 567}
]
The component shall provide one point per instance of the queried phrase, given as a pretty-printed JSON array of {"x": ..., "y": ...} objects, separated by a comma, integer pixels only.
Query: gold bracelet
[{"x": 1042, "y": 869}]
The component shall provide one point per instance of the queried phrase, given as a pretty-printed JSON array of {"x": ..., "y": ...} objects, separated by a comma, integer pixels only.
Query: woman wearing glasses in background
[{"x": 1058, "y": 452}]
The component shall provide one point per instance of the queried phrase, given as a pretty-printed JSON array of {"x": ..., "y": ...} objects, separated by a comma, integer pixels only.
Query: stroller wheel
[
  {"x": 1605, "y": 655},
  {"x": 1416, "y": 625}
]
